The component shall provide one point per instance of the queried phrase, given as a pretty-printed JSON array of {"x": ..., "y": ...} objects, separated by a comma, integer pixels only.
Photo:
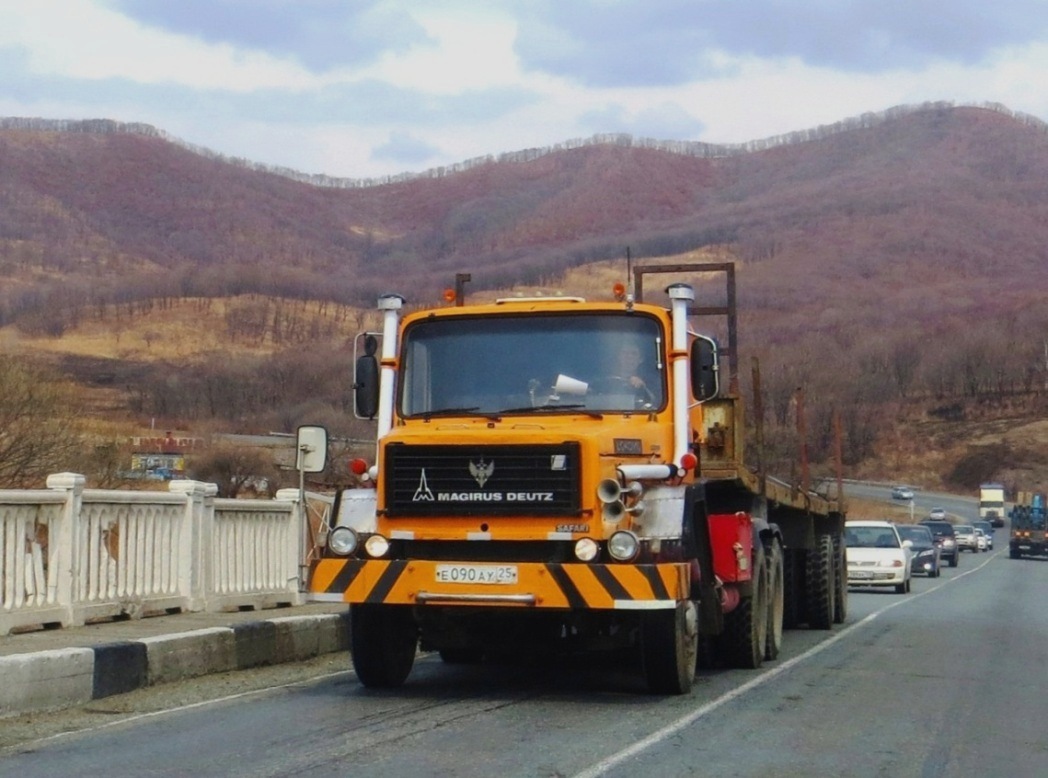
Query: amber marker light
[
  {"x": 449, "y": 295},
  {"x": 619, "y": 290}
]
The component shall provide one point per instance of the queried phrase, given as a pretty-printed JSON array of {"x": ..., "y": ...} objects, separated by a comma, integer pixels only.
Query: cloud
[
  {"x": 319, "y": 34},
  {"x": 614, "y": 43},
  {"x": 664, "y": 121},
  {"x": 404, "y": 149}
]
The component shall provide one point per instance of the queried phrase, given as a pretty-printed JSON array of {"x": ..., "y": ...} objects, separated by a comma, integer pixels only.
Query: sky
[{"x": 371, "y": 88}]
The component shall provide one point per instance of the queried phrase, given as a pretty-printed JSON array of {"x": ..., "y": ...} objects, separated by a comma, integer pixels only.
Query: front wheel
[
  {"x": 669, "y": 648},
  {"x": 383, "y": 639}
]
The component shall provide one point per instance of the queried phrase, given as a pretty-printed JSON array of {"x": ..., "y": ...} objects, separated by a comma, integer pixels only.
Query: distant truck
[
  {"x": 1029, "y": 530},
  {"x": 991, "y": 504}
]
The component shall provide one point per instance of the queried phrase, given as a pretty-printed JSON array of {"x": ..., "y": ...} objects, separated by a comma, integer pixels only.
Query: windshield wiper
[
  {"x": 471, "y": 411},
  {"x": 547, "y": 408}
]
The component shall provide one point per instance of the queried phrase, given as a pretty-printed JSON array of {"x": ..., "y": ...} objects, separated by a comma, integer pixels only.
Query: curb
[{"x": 64, "y": 678}]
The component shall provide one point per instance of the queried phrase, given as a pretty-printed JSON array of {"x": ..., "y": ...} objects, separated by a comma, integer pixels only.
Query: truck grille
[{"x": 498, "y": 480}]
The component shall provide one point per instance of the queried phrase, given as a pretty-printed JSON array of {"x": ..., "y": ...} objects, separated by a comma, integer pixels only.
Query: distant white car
[
  {"x": 876, "y": 555},
  {"x": 981, "y": 543},
  {"x": 902, "y": 493},
  {"x": 937, "y": 513}
]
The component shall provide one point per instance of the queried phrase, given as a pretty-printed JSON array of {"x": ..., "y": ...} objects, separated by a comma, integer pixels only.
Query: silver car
[
  {"x": 987, "y": 529},
  {"x": 966, "y": 537}
]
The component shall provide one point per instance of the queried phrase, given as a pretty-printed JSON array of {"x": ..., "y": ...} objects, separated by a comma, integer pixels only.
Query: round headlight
[
  {"x": 623, "y": 546},
  {"x": 342, "y": 541},
  {"x": 376, "y": 546},
  {"x": 586, "y": 549}
]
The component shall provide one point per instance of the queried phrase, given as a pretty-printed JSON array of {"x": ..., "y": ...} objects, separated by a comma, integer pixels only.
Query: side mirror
[
  {"x": 366, "y": 380},
  {"x": 705, "y": 381},
  {"x": 312, "y": 449}
]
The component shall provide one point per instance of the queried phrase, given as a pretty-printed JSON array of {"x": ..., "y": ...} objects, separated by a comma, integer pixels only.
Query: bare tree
[{"x": 38, "y": 425}]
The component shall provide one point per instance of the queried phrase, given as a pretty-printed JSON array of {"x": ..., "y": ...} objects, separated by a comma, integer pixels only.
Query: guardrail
[{"x": 70, "y": 555}]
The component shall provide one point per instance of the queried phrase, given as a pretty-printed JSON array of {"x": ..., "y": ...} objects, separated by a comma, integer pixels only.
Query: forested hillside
[{"x": 894, "y": 265}]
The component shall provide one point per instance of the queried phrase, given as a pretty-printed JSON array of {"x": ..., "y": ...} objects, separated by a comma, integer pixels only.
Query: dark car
[
  {"x": 926, "y": 554},
  {"x": 945, "y": 539}
]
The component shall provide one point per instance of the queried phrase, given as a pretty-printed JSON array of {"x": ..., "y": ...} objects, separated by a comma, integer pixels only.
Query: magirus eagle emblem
[{"x": 481, "y": 471}]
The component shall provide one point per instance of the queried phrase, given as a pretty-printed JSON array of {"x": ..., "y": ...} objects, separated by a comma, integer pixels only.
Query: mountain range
[{"x": 892, "y": 257}]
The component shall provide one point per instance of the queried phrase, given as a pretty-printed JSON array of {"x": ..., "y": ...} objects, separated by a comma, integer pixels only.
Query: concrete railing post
[
  {"x": 300, "y": 528},
  {"x": 64, "y": 551},
  {"x": 195, "y": 574}
]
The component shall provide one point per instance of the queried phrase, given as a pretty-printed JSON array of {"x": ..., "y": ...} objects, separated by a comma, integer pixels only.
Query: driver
[{"x": 627, "y": 372}]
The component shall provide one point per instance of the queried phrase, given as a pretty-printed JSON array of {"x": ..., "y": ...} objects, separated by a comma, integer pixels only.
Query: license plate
[
  {"x": 477, "y": 574},
  {"x": 861, "y": 574}
]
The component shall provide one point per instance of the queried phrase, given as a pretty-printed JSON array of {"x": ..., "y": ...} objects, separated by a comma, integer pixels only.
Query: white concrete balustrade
[{"x": 69, "y": 555}]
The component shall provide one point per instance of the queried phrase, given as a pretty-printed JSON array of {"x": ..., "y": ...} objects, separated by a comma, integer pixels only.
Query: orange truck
[{"x": 560, "y": 475}]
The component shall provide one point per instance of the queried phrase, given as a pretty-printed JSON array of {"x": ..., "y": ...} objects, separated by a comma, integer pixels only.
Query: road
[
  {"x": 945, "y": 681},
  {"x": 963, "y": 508}
]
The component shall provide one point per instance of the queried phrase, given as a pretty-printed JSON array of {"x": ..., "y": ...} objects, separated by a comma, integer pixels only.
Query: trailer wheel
[
  {"x": 669, "y": 648},
  {"x": 745, "y": 635},
  {"x": 821, "y": 582},
  {"x": 383, "y": 639},
  {"x": 840, "y": 577},
  {"x": 776, "y": 599}
]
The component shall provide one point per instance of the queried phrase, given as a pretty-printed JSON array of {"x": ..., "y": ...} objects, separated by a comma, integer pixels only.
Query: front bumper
[
  {"x": 876, "y": 577},
  {"x": 534, "y": 584},
  {"x": 924, "y": 565}
]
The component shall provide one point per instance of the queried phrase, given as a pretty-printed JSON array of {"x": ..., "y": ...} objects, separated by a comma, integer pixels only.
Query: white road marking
[{"x": 604, "y": 765}]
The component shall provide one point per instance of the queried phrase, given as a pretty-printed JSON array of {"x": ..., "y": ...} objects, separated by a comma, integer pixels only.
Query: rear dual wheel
[
  {"x": 776, "y": 598},
  {"x": 820, "y": 577},
  {"x": 840, "y": 577},
  {"x": 745, "y": 638}
]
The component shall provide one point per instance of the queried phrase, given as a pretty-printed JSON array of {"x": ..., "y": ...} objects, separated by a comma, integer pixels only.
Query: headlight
[
  {"x": 342, "y": 541},
  {"x": 623, "y": 546},
  {"x": 947, "y": 542},
  {"x": 890, "y": 563},
  {"x": 376, "y": 546},
  {"x": 586, "y": 549}
]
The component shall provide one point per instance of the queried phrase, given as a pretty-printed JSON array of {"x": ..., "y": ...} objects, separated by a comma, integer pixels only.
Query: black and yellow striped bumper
[{"x": 536, "y": 585}]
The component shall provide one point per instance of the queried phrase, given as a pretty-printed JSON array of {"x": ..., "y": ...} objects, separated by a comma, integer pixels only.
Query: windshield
[
  {"x": 870, "y": 537},
  {"x": 532, "y": 364},
  {"x": 919, "y": 536}
]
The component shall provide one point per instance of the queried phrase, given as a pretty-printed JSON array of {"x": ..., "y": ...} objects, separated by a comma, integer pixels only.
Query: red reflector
[
  {"x": 358, "y": 466},
  {"x": 689, "y": 461}
]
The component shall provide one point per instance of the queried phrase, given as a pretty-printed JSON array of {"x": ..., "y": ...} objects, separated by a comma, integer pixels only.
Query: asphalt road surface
[{"x": 945, "y": 681}]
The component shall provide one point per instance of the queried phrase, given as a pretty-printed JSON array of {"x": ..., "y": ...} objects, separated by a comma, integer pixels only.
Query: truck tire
[
  {"x": 461, "y": 656},
  {"x": 669, "y": 648},
  {"x": 776, "y": 598},
  {"x": 840, "y": 603},
  {"x": 794, "y": 605},
  {"x": 745, "y": 636},
  {"x": 820, "y": 580},
  {"x": 383, "y": 640}
]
